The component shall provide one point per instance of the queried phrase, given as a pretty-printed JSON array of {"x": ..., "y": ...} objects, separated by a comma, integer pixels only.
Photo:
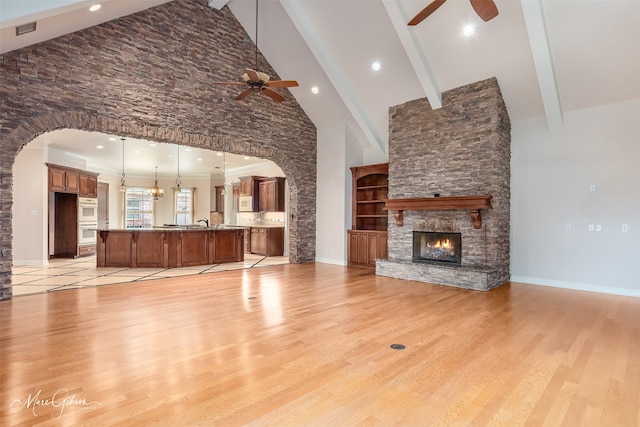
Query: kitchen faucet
[{"x": 205, "y": 220}]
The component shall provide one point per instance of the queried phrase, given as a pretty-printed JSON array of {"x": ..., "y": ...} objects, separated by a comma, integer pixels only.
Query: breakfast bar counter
[{"x": 169, "y": 247}]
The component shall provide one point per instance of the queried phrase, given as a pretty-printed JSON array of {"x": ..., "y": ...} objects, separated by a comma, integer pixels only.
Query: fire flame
[{"x": 442, "y": 244}]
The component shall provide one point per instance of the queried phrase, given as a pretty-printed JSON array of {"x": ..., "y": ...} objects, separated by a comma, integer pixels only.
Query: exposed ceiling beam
[
  {"x": 534, "y": 20},
  {"x": 416, "y": 55},
  {"x": 306, "y": 29}
]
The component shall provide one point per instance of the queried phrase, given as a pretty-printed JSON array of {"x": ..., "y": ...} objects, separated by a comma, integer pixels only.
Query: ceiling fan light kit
[{"x": 485, "y": 9}]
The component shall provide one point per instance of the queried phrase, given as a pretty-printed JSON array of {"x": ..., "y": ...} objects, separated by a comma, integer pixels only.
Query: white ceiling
[{"x": 549, "y": 56}]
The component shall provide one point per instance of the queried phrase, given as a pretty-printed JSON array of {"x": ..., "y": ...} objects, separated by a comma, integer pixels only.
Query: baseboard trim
[
  {"x": 576, "y": 286},
  {"x": 331, "y": 261},
  {"x": 29, "y": 263}
]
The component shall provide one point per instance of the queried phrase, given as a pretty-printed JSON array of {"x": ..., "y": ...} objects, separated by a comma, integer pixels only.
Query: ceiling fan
[
  {"x": 486, "y": 9},
  {"x": 259, "y": 81}
]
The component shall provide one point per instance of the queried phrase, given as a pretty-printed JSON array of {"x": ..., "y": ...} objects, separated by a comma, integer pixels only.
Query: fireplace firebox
[{"x": 429, "y": 246}]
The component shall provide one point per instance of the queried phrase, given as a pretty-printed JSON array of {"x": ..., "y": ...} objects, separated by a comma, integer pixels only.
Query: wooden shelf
[{"x": 472, "y": 203}]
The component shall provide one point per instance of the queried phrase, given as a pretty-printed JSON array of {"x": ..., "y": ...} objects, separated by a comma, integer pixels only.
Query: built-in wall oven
[
  {"x": 87, "y": 209},
  {"x": 87, "y": 220}
]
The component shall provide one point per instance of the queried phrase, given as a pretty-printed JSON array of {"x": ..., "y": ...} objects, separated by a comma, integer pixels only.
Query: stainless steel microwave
[{"x": 245, "y": 204}]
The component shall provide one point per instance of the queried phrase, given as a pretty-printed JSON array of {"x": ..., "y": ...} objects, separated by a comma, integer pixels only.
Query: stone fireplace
[{"x": 449, "y": 175}]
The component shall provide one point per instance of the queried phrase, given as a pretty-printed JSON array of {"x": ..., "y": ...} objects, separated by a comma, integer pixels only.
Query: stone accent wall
[
  {"x": 462, "y": 149},
  {"x": 149, "y": 75}
]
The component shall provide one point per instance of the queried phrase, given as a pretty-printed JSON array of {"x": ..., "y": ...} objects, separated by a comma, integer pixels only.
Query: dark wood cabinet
[
  {"x": 69, "y": 180},
  {"x": 168, "y": 248},
  {"x": 267, "y": 241},
  {"x": 364, "y": 247},
  {"x": 226, "y": 246},
  {"x": 247, "y": 240},
  {"x": 367, "y": 240},
  {"x": 88, "y": 185},
  {"x": 250, "y": 185},
  {"x": 271, "y": 195},
  {"x": 62, "y": 180},
  {"x": 219, "y": 198}
]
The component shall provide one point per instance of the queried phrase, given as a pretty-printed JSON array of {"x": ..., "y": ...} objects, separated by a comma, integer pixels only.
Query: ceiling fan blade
[
  {"x": 273, "y": 94},
  {"x": 242, "y": 94},
  {"x": 253, "y": 75},
  {"x": 228, "y": 83},
  {"x": 486, "y": 9},
  {"x": 281, "y": 83},
  {"x": 431, "y": 7}
]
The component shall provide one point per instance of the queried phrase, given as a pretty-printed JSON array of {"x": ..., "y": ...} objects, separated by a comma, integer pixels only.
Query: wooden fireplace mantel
[{"x": 472, "y": 203}]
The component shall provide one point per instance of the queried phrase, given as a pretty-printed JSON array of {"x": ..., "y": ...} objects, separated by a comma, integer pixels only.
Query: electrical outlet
[
  {"x": 590, "y": 227},
  {"x": 592, "y": 187},
  {"x": 598, "y": 227},
  {"x": 625, "y": 228},
  {"x": 567, "y": 227}
]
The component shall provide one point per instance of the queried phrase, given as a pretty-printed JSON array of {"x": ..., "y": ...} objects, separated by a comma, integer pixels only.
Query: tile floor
[{"x": 63, "y": 274}]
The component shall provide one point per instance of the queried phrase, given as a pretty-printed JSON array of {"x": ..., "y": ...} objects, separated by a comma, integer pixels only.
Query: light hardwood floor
[{"x": 309, "y": 345}]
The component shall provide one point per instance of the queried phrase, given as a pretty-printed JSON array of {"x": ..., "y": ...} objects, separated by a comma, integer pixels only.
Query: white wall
[
  {"x": 330, "y": 195},
  {"x": 552, "y": 173},
  {"x": 30, "y": 207}
]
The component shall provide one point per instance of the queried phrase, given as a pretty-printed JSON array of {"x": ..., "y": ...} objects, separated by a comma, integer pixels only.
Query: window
[
  {"x": 184, "y": 206},
  {"x": 139, "y": 208}
]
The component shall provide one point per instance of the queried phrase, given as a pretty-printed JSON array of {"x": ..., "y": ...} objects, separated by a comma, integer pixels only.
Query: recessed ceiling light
[
  {"x": 152, "y": 144},
  {"x": 219, "y": 154},
  {"x": 199, "y": 159},
  {"x": 95, "y": 7},
  {"x": 113, "y": 138},
  {"x": 375, "y": 66},
  {"x": 315, "y": 90},
  {"x": 247, "y": 157},
  {"x": 99, "y": 147},
  {"x": 187, "y": 149},
  {"x": 468, "y": 30}
]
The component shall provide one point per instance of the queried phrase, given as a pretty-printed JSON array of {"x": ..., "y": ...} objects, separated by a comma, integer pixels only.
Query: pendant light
[
  {"x": 177, "y": 187},
  {"x": 156, "y": 192},
  {"x": 123, "y": 187},
  {"x": 224, "y": 176}
]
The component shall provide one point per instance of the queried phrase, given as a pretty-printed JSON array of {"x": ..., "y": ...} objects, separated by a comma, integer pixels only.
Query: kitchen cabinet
[
  {"x": 250, "y": 185},
  {"x": 63, "y": 180},
  {"x": 168, "y": 248},
  {"x": 88, "y": 185},
  {"x": 247, "y": 240},
  {"x": 267, "y": 241},
  {"x": 364, "y": 247},
  {"x": 69, "y": 180},
  {"x": 271, "y": 195}
]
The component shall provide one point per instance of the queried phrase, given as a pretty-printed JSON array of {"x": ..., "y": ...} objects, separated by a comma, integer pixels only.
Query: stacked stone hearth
[{"x": 461, "y": 149}]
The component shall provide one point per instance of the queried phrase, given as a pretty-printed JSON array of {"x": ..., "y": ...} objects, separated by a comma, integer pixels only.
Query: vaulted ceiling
[{"x": 549, "y": 56}]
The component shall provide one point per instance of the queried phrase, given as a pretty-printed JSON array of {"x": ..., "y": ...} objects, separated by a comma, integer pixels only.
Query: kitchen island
[{"x": 169, "y": 247}]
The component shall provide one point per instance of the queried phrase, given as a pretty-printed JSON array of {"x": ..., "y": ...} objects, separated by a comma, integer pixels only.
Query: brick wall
[
  {"x": 462, "y": 149},
  {"x": 148, "y": 76}
]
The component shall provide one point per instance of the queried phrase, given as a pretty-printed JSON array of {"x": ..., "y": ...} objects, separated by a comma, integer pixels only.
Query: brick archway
[{"x": 102, "y": 79}]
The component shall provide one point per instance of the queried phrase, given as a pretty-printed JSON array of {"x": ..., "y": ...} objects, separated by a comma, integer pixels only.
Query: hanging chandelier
[
  {"x": 123, "y": 187},
  {"x": 156, "y": 192}
]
